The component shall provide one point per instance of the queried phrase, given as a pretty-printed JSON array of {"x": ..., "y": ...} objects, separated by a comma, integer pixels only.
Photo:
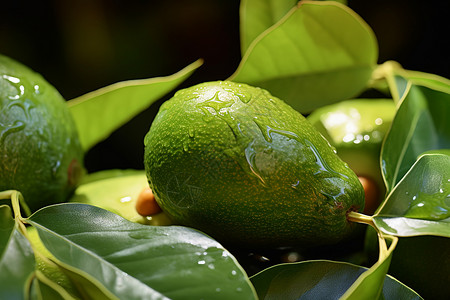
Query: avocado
[
  {"x": 40, "y": 153},
  {"x": 241, "y": 165}
]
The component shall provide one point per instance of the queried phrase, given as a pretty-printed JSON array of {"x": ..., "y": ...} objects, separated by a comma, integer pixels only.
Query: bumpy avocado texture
[
  {"x": 40, "y": 153},
  {"x": 241, "y": 165}
]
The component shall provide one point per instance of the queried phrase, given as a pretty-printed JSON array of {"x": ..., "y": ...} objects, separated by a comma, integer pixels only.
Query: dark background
[{"x": 79, "y": 46}]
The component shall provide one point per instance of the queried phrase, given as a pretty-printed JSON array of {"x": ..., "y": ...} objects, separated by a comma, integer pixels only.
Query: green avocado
[
  {"x": 356, "y": 128},
  {"x": 241, "y": 165},
  {"x": 40, "y": 153}
]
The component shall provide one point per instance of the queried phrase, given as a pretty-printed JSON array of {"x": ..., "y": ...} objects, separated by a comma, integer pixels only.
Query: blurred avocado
[{"x": 356, "y": 128}]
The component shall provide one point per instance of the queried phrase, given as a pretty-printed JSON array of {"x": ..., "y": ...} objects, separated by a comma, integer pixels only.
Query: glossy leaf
[
  {"x": 118, "y": 192},
  {"x": 431, "y": 81},
  {"x": 370, "y": 285},
  {"x": 16, "y": 258},
  {"x": 6, "y": 227},
  {"x": 318, "y": 53},
  {"x": 258, "y": 15},
  {"x": 88, "y": 286},
  {"x": 319, "y": 280},
  {"x": 421, "y": 124},
  {"x": 99, "y": 113},
  {"x": 419, "y": 204},
  {"x": 135, "y": 261},
  {"x": 45, "y": 289}
]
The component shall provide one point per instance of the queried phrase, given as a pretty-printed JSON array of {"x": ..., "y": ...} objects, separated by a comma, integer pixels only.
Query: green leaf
[
  {"x": 107, "y": 174},
  {"x": 46, "y": 289},
  {"x": 431, "y": 81},
  {"x": 258, "y": 15},
  {"x": 419, "y": 203},
  {"x": 309, "y": 279},
  {"x": 6, "y": 227},
  {"x": 135, "y": 261},
  {"x": 397, "y": 79},
  {"x": 319, "y": 280},
  {"x": 117, "y": 191},
  {"x": 370, "y": 285},
  {"x": 319, "y": 53},
  {"x": 421, "y": 124},
  {"x": 99, "y": 113},
  {"x": 88, "y": 286},
  {"x": 17, "y": 263}
]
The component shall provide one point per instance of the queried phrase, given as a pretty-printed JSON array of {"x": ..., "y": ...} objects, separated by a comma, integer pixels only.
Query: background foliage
[{"x": 93, "y": 43}]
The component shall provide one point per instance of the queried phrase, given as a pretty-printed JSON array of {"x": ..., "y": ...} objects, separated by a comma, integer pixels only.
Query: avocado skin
[
  {"x": 244, "y": 167},
  {"x": 40, "y": 153}
]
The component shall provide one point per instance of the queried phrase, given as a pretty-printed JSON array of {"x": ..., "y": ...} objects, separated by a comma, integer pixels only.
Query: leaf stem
[
  {"x": 17, "y": 202},
  {"x": 387, "y": 71},
  {"x": 5, "y": 194}
]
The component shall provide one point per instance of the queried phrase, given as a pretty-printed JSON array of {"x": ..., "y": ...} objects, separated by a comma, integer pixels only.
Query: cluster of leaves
[{"x": 309, "y": 54}]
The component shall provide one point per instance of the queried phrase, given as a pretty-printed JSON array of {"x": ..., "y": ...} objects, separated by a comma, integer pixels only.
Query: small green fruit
[
  {"x": 40, "y": 154},
  {"x": 356, "y": 128},
  {"x": 117, "y": 191},
  {"x": 241, "y": 165}
]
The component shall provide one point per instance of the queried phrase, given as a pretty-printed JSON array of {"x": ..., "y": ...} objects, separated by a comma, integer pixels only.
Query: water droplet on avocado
[
  {"x": 15, "y": 82},
  {"x": 11, "y": 79},
  {"x": 191, "y": 132},
  {"x": 37, "y": 89},
  {"x": 244, "y": 97},
  {"x": 268, "y": 131},
  {"x": 25, "y": 105},
  {"x": 250, "y": 156},
  {"x": 295, "y": 185},
  {"x": 185, "y": 146},
  {"x": 324, "y": 168},
  {"x": 6, "y": 130},
  {"x": 216, "y": 106},
  {"x": 334, "y": 196}
]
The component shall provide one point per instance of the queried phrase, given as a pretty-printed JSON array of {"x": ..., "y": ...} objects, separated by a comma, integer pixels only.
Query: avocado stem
[
  {"x": 357, "y": 217},
  {"x": 354, "y": 216}
]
